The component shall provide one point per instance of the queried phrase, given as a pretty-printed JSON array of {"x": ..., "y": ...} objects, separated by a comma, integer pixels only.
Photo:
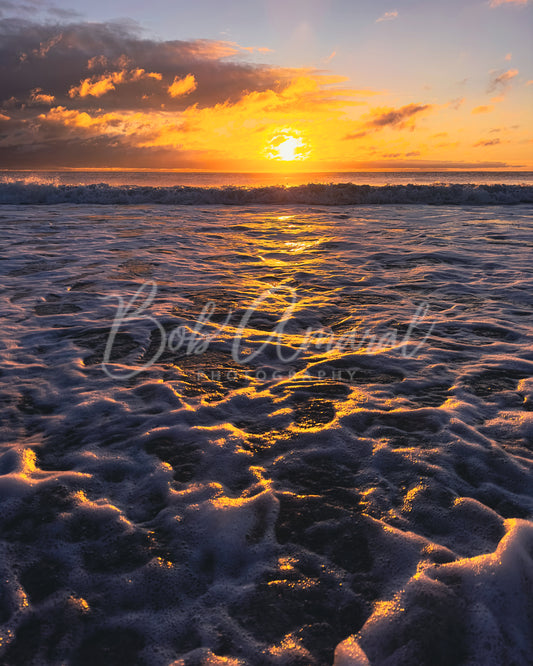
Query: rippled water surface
[{"x": 266, "y": 435}]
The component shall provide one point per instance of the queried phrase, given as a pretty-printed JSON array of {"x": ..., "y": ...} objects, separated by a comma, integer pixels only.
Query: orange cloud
[
  {"x": 38, "y": 97},
  {"x": 491, "y": 142},
  {"x": 482, "y": 109},
  {"x": 96, "y": 86},
  {"x": 255, "y": 111},
  {"x": 497, "y": 3},
  {"x": 105, "y": 122},
  {"x": 308, "y": 108},
  {"x": 207, "y": 127},
  {"x": 250, "y": 49},
  {"x": 211, "y": 50},
  {"x": 183, "y": 86},
  {"x": 388, "y": 16},
  {"x": 104, "y": 126},
  {"x": 97, "y": 61},
  {"x": 501, "y": 81},
  {"x": 45, "y": 47}
]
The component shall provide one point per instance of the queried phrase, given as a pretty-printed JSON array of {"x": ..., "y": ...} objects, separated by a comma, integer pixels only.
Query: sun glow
[{"x": 287, "y": 145}]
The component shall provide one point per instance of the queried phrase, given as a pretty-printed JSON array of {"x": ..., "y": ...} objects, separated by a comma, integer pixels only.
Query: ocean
[{"x": 266, "y": 419}]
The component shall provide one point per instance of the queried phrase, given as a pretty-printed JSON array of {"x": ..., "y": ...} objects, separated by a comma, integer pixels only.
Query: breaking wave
[{"x": 314, "y": 194}]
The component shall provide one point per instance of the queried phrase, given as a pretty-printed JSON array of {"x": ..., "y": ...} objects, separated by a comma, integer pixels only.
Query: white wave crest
[{"x": 338, "y": 194}]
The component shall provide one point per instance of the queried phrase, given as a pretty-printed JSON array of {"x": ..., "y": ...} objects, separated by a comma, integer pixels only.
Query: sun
[
  {"x": 287, "y": 145},
  {"x": 287, "y": 149}
]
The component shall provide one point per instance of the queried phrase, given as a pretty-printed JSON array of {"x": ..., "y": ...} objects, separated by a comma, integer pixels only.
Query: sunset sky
[{"x": 260, "y": 85}]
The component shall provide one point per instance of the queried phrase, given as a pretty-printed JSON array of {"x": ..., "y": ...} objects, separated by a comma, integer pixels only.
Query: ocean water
[
  {"x": 293, "y": 430},
  {"x": 162, "y": 178}
]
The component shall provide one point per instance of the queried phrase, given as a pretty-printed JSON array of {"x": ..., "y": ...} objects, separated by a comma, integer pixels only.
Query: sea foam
[{"x": 350, "y": 505}]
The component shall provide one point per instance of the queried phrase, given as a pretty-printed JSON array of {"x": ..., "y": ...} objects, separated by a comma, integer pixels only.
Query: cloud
[
  {"x": 491, "y": 142},
  {"x": 92, "y": 94},
  {"x": 152, "y": 138},
  {"x": 500, "y": 81},
  {"x": 38, "y": 97},
  {"x": 71, "y": 118},
  {"x": 447, "y": 144},
  {"x": 6, "y": 6},
  {"x": 482, "y": 109},
  {"x": 97, "y": 86},
  {"x": 497, "y": 3},
  {"x": 63, "y": 13},
  {"x": 456, "y": 103},
  {"x": 97, "y": 62},
  {"x": 397, "y": 118},
  {"x": 183, "y": 86},
  {"x": 388, "y": 16},
  {"x": 509, "y": 56},
  {"x": 355, "y": 135},
  {"x": 81, "y": 64},
  {"x": 251, "y": 49},
  {"x": 428, "y": 165},
  {"x": 380, "y": 118},
  {"x": 32, "y": 7}
]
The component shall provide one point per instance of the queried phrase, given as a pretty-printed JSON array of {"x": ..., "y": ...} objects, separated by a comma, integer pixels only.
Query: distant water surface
[{"x": 204, "y": 179}]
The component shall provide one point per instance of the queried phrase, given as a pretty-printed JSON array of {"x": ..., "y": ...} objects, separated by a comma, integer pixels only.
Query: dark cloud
[
  {"x": 355, "y": 135},
  {"x": 491, "y": 142},
  {"x": 427, "y": 165},
  {"x": 97, "y": 151},
  {"x": 500, "y": 81},
  {"x": 104, "y": 94},
  {"x": 33, "y": 7},
  {"x": 456, "y": 103},
  {"x": 58, "y": 58},
  {"x": 8, "y": 7},
  {"x": 397, "y": 117},
  {"x": 64, "y": 14}
]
